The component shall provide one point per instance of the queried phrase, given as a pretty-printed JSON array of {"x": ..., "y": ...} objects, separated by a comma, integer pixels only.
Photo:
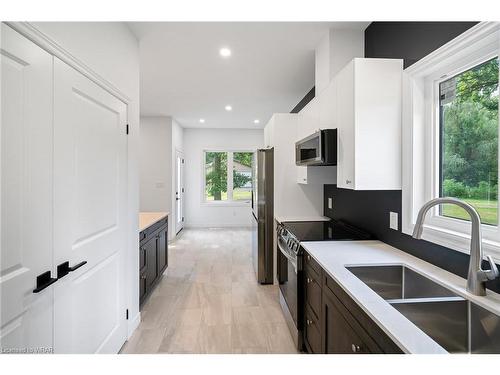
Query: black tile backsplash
[{"x": 369, "y": 210}]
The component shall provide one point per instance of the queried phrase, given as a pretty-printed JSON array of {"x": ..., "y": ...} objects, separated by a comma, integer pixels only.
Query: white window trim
[
  {"x": 229, "y": 202},
  {"x": 420, "y": 126}
]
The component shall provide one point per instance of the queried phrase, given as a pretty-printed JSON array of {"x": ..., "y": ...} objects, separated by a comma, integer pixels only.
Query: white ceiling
[{"x": 270, "y": 70}]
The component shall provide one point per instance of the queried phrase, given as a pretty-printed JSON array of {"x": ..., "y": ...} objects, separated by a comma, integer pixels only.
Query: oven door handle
[{"x": 287, "y": 255}]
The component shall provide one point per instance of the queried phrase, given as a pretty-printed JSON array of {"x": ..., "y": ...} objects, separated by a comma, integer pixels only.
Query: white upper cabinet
[
  {"x": 308, "y": 119},
  {"x": 318, "y": 114},
  {"x": 368, "y": 119},
  {"x": 327, "y": 103}
]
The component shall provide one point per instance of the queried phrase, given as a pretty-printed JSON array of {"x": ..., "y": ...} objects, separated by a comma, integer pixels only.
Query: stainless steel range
[{"x": 290, "y": 263}]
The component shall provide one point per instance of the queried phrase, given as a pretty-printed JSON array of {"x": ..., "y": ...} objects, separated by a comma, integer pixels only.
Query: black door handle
[
  {"x": 63, "y": 269},
  {"x": 43, "y": 281}
]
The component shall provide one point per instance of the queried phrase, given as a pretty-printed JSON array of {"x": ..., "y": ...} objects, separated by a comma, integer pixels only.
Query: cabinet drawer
[
  {"x": 313, "y": 291},
  {"x": 310, "y": 262},
  {"x": 312, "y": 332}
]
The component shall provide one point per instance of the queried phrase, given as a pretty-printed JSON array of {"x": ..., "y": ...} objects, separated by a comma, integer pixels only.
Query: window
[
  {"x": 468, "y": 121},
  {"x": 242, "y": 175},
  {"x": 450, "y": 138},
  {"x": 228, "y": 176}
]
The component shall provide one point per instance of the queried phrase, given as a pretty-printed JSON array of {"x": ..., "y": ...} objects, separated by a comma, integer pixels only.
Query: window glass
[
  {"x": 242, "y": 175},
  {"x": 469, "y": 141},
  {"x": 215, "y": 176}
]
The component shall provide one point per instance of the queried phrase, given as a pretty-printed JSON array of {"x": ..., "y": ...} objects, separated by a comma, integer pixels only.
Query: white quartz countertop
[
  {"x": 146, "y": 219},
  {"x": 281, "y": 219},
  {"x": 334, "y": 256}
]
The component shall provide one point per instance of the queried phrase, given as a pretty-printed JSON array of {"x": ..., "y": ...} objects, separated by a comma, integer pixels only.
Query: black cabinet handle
[
  {"x": 43, "y": 281},
  {"x": 63, "y": 269}
]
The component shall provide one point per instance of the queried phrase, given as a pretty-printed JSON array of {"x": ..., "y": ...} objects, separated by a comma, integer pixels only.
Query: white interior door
[
  {"x": 90, "y": 158},
  {"x": 179, "y": 191},
  {"x": 26, "y": 194}
]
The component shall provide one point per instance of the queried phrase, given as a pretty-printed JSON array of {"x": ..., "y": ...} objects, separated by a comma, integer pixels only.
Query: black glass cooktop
[{"x": 324, "y": 231}]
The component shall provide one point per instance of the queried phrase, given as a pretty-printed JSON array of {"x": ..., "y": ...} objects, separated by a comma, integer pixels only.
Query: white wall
[
  {"x": 290, "y": 198},
  {"x": 334, "y": 51},
  {"x": 196, "y": 141},
  {"x": 160, "y": 137},
  {"x": 155, "y": 164},
  {"x": 112, "y": 51}
]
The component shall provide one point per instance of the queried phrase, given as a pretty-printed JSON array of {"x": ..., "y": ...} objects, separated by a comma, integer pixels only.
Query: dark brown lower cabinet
[
  {"x": 343, "y": 335},
  {"x": 336, "y": 324},
  {"x": 312, "y": 332},
  {"x": 153, "y": 257},
  {"x": 162, "y": 249}
]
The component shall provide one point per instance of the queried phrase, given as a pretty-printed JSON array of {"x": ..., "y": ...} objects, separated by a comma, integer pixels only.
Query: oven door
[{"x": 290, "y": 283}]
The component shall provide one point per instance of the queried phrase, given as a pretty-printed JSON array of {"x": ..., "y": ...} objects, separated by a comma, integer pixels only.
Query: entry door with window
[{"x": 179, "y": 191}]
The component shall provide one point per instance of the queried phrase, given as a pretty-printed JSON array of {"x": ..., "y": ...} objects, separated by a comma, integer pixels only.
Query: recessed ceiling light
[
  {"x": 202, "y": 120},
  {"x": 256, "y": 121},
  {"x": 225, "y": 52},
  {"x": 228, "y": 108}
]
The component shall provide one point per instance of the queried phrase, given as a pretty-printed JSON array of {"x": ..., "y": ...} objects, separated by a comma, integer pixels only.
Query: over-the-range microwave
[{"x": 319, "y": 148}]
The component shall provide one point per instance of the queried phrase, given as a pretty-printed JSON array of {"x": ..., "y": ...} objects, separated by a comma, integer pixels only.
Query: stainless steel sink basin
[
  {"x": 455, "y": 323},
  {"x": 399, "y": 282}
]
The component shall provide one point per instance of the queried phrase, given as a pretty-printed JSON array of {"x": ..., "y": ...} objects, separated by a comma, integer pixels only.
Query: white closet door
[
  {"x": 26, "y": 193},
  {"x": 90, "y": 191}
]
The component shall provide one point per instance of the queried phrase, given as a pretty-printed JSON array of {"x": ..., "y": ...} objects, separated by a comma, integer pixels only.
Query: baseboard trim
[
  {"x": 133, "y": 324},
  {"x": 214, "y": 226}
]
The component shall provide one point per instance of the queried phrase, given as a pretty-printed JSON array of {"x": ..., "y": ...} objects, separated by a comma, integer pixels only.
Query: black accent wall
[
  {"x": 410, "y": 41},
  {"x": 369, "y": 210},
  {"x": 303, "y": 102}
]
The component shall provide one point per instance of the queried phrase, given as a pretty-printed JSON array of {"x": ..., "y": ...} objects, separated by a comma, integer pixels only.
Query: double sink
[{"x": 455, "y": 323}]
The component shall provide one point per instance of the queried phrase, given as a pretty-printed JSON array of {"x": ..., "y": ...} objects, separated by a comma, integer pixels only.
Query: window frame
[
  {"x": 229, "y": 201},
  {"x": 421, "y": 136}
]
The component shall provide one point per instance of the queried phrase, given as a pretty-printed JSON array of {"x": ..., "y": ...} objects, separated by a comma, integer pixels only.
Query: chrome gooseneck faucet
[{"x": 476, "y": 277}]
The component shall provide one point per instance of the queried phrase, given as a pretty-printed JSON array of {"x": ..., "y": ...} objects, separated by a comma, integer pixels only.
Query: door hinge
[
  {"x": 182, "y": 219},
  {"x": 127, "y": 129},
  {"x": 126, "y": 314},
  {"x": 183, "y": 190},
  {"x": 182, "y": 161}
]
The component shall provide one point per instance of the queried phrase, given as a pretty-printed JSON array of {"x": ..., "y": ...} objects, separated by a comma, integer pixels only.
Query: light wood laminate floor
[{"x": 210, "y": 302}]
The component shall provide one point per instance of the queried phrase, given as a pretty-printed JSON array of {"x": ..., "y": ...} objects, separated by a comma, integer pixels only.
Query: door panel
[
  {"x": 179, "y": 191},
  {"x": 163, "y": 250},
  {"x": 89, "y": 213},
  {"x": 340, "y": 338},
  {"x": 26, "y": 193},
  {"x": 346, "y": 127},
  {"x": 151, "y": 261}
]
